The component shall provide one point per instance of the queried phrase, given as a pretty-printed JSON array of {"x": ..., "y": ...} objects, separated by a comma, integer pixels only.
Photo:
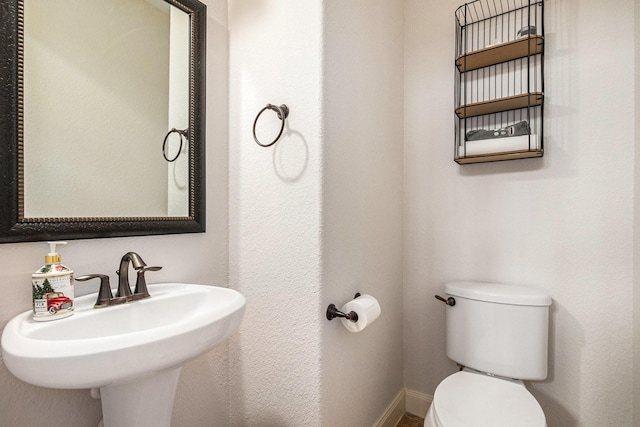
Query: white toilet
[{"x": 499, "y": 335}]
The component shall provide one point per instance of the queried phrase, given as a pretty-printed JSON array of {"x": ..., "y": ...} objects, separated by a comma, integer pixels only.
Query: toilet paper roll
[{"x": 368, "y": 310}]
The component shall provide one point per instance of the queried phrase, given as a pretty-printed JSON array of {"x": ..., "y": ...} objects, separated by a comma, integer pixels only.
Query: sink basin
[{"x": 117, "y": 346}]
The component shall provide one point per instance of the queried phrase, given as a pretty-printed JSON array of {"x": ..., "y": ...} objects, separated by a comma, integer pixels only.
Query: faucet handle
[
  {"x": 141, "y": 282},
  {"x": 104, "y": 295}
]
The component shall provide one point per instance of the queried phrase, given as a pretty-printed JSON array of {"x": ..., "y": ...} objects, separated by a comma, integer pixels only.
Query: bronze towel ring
[
  {"x": 183, "y": 134},
  {"x": 282, "y": 112}
]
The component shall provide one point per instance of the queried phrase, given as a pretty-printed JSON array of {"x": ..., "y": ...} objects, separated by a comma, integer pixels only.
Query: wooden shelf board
[
  {"x": 500, "y": 104},
  {"x": 503, "y": 52},
  {"x": 499, "y": 156}
]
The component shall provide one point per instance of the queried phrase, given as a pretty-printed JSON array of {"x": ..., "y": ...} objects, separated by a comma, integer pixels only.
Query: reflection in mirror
[
  {"x": 102, "y": 87},
  {"x": 103, "y": 133}
]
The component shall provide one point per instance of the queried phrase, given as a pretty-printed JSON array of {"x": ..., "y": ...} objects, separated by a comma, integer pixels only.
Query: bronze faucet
[{"x": 106, "y": 298}]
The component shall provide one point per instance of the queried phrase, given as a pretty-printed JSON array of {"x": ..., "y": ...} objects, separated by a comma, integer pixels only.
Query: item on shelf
[
  {"x": 521, "y": 143},
  {"x": 520, "y": 128},
  {"x": 527, "y": 30}
]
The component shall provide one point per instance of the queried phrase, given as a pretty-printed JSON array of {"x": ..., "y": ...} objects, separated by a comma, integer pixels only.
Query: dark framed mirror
[{"x": 102, "y": 128}]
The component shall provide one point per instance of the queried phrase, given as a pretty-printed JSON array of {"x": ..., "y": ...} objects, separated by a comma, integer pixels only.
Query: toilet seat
[{"x": 467, "y": 399}]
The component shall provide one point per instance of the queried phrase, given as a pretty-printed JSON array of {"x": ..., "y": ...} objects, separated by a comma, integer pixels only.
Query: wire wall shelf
[{"x": 499, "y": 80}]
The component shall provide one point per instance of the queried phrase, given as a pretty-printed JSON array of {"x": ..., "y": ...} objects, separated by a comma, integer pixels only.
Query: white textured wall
[
  {"x": 362, "y": 205},
  {"x": 274, "y": 212},
  {"x": 318, "y": 216},
  {"x": 202, "y": 397},
  {"x": 563, "y": 223}
]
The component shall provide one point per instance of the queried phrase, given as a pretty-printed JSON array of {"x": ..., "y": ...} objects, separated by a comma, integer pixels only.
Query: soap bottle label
[{"x": 52, "y": 296}]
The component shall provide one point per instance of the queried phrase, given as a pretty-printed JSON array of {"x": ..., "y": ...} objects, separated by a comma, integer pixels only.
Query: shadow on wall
[
  {"x": 557, "y": 415},
  {"x": 25, "y": 405},
  {"x": 509, "y": 166},
  {"x": 291, "y": 155},
  {"x": 202, "y": 398}
]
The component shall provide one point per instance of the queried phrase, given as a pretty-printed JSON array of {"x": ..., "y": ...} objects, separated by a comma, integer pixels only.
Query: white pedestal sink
[{"x": 133, "y": 352}]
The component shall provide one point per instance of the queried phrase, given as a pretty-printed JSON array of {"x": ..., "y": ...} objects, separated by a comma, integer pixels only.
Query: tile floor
[{"x": 411, "y": 421}]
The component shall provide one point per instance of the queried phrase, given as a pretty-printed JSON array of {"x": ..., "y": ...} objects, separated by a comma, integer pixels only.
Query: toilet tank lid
[{"x": 499, "y": 293}]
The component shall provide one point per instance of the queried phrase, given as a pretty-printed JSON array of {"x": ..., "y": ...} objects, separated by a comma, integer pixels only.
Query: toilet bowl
[
  {"x": 499, "y": 334},
  {"x": 472, "y": 399}
]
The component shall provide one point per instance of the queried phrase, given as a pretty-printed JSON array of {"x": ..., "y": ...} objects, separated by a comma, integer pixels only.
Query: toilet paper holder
[{"x": 333, "y": 312}]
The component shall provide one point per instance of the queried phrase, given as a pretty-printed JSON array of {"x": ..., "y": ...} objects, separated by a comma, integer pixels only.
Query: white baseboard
[
  {"x": 410, "y": 401},
  {"x": 417, "y": 403},
  {"x": 394, "y": 412}
]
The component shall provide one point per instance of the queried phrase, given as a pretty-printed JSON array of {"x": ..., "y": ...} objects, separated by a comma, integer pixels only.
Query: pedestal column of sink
[{"x": 146, "y": 402}]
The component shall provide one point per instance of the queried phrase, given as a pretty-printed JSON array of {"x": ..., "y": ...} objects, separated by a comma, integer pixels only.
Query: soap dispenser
[{"x": 52, "y": 288}]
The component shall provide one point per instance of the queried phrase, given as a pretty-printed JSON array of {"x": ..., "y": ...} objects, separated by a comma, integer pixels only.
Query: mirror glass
[
  {"x": 108, "y": 118},
  {"x": 104, "y": 82}
]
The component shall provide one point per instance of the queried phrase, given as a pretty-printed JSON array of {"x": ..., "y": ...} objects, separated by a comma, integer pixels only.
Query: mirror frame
[{"x": 14, "y": 227}]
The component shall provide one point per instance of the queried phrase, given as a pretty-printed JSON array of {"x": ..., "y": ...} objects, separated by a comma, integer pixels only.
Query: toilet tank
[{"x": 500, "y": 329}]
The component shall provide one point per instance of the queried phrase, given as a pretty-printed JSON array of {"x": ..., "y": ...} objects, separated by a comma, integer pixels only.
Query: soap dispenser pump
[{"x": 52, "y": 286}]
